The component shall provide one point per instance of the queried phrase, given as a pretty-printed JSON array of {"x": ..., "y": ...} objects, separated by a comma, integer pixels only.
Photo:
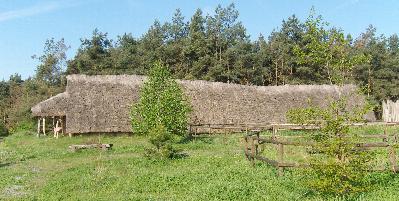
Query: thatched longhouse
[{"x": 102, "y": 103}]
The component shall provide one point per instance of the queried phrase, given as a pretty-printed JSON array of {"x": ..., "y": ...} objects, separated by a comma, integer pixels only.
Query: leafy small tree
[
  {"x": 52, "y": 62},
  {"x": 326, "y": 52},
  {"x": 162, "y": 110},
  {"x": 337, "y": 166}
]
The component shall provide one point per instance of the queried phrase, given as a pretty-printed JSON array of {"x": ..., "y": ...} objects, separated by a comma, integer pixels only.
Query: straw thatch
[
  {"x": 54, "y": 106},
  {"x": 102, "y": 103}
]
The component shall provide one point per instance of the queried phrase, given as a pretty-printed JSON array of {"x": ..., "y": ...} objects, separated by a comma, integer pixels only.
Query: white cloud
[{"x": 34, "y": 10}]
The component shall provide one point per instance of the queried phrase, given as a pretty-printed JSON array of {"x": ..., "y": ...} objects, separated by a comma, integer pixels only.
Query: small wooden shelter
[{"x": 51, "y": 114}]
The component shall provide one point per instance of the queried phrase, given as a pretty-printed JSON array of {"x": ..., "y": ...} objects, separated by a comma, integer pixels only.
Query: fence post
[
  {"x": 257, "y": 143},
  {"x": 392, "y": 159},
  {"x": 280, "y": 159},
  {"x": 246, "y": 147},
  {"x": 385, "y": 139},
  {"x": 253, "y": 151},
  {"x": 274, "y": 132}
]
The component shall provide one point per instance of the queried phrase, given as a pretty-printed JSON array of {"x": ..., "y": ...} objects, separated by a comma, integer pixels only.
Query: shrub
[
  {"x": 337, "y": 166},
  {"x": 163, "y": 140},
  {"x": 24, "y": 125},
  {"x": 162, "y": 110}
]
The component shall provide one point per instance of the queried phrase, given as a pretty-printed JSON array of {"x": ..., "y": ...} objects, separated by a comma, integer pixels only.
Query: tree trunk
[
  {"x": 276, "y": 73},
  {"x": 328, "y": 73}
]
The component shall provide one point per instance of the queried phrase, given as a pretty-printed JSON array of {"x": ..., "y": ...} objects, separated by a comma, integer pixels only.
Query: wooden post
[
  {"x": 56, "y": 129},
  {"x": 280, "y": 159},
  {"x": 274, "y": 132},
  {"x": 252, "y": 151},
  {"x": 63, "y": 124},
  {"x": 246, "y": 146},
  {"x": 257, "y": 144},
  {"x": 70, "y": 135},
  {"x": 392, "y": 159},
  {"x": 38, "y": 126},
  {"x": 44, "y": 126},
  {"x": 385, "y": 139}
]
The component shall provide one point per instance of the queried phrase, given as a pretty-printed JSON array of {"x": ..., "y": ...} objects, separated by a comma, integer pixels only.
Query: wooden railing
[
  {"x": 198, "y": 129},
  {"x": 253, "y": 140}
]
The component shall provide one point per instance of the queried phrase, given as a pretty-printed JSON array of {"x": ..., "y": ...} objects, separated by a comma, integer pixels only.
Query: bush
[
  {"x": 337, "y": 166},
  {"x": 163, "y": 140},
  {"x": 162, "y": 110},
  {"x": 24, "y": 125}
]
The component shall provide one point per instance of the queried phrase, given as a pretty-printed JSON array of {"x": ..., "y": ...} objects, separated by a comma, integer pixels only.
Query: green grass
[{"x": 34, "y": 168}]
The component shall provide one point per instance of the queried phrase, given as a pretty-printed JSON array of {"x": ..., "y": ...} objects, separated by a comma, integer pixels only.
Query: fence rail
[{"x": 198, "y": 129}]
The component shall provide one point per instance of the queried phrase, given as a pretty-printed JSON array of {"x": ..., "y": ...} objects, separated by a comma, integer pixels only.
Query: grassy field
[{"x": 215, "y": 168}]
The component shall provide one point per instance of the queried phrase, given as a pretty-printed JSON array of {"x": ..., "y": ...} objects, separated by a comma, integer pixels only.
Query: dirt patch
[{"x": 14, "y": 191}]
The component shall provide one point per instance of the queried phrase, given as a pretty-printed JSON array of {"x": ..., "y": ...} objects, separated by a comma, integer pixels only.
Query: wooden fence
[
  {"x": 199, "y": 129},
  {"x": 253, "y": 152},
  {"x": 390, "y": 111}
]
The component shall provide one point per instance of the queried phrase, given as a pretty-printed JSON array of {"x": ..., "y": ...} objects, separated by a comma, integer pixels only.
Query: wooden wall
[{"x": 390, "y": 111}]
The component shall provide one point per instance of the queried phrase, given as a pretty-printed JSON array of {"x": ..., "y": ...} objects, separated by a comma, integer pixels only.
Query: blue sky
[{"x": 26, "y": 24}]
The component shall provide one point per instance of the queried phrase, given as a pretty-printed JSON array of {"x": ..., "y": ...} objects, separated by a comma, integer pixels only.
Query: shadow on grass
[
  {"x": 180, "y": 155},
  {"x": 5, "y": 164},
  {"x": 203, "y": 139}
]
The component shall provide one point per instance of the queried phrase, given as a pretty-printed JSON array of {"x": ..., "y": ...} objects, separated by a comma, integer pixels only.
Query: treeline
[{"x": 217, "y": 47}]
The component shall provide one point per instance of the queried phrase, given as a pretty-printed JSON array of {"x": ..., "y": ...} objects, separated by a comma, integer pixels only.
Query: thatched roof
[
  {"x": 54, "y": 106},
  {"x": 102, "y": 103}
]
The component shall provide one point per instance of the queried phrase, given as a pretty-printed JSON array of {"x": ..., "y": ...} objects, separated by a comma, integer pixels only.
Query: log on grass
[{"x": 90, "y": 146}]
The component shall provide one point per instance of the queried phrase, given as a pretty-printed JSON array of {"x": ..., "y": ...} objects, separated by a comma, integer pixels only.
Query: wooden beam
[
  {"x": 392, "y": 159},
  {"x": 277, "y": 141},
  {"x": 253, "y": 151},
  {"x": 63, "y": 124},
  {"x": 38, "y": 126},
  {"x": 44, "y": 126},
  {"x": 373, "y": 144},
  {"x": 281, "y": 159},
  {"x": 267, "y": 160}
]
